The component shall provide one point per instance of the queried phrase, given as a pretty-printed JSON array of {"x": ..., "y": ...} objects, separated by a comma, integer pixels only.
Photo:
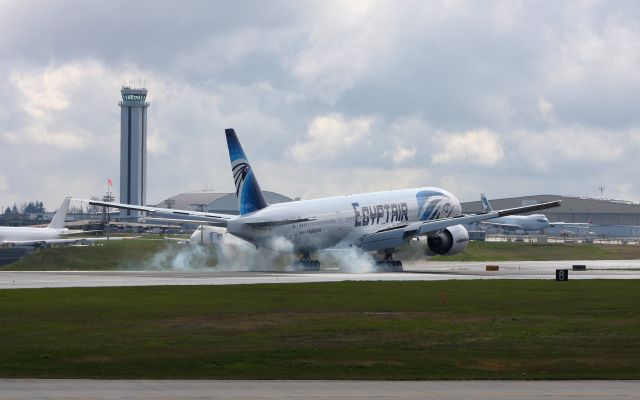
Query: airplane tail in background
[
  {"x": 250, "y": 197},
  {"x": 486, "y": 207},
  {"x": 58, "y": 219}
]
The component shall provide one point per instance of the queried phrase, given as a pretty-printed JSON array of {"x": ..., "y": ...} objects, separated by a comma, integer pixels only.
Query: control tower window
[{"x": 134, "y": 97}]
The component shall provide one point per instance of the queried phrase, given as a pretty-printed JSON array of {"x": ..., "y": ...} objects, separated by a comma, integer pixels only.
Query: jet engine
[{"x": 448, "y": 242}]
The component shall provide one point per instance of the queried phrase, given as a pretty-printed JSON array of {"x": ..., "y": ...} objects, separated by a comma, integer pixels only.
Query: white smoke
[
  {"x": 352, "y": 260},
  {"x": 237, "y": 255},
  {"x": 234, "y": 254},
  {"x": 181, "y": 258}
]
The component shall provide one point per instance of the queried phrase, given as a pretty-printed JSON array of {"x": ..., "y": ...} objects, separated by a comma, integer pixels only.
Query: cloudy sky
[{"x": 328, "y": 98}]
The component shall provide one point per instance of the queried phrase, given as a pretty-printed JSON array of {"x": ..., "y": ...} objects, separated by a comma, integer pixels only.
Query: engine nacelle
[{"x": 452, "y": 240}]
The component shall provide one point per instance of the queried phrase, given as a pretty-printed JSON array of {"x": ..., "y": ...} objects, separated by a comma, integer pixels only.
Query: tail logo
[
  {"x": 240, "y": 172},
  {"x": 250, "y": 197}
]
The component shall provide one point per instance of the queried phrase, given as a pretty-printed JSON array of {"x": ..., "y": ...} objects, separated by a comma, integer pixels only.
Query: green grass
[
  {"x": 348, "y": 330},
  {"x": 139, "y": 253},
  {"x": 107, "y": 255}
]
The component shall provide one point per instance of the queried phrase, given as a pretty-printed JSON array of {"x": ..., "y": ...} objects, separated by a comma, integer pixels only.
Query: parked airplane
[
  {"x": 526, "y": 223},
  {"x": 207, "y": 235},
  {"x": 377, "y": 221},
  {"x": 52, "y": 234}
]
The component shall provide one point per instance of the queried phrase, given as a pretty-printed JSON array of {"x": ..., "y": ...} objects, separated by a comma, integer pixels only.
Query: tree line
[{"x": 32, "y": 207}]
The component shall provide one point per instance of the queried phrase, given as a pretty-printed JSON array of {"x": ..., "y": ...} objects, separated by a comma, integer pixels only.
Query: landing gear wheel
[
  {"x": 307, "y": 264},
  {"x": 388, "y": 264}
]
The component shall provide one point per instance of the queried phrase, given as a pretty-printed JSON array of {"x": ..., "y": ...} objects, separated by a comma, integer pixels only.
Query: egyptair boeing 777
[{"x": 379, "y": 221}]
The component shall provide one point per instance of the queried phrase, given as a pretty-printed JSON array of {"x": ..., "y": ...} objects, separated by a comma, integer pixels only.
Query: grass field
[
  {"x": 105, "y": 256},
  {"x": 148, "y": 254},
  {"x": 349, "y": 330}
]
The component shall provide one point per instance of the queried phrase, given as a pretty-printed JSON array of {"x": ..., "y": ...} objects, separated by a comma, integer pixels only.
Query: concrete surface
[
  {"x": 424, "y": 271},
  {"x": 179, "y": 389}
]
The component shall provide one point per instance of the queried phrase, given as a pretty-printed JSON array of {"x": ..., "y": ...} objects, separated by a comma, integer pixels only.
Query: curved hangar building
[{"x": 215, "y": 202}]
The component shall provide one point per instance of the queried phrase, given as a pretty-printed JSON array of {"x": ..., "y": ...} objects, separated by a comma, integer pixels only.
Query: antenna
[{"x": 601, "y": 190}]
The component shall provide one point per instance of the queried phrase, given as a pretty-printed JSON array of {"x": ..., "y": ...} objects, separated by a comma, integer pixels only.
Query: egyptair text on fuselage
[{"x": 380, "y": 213}]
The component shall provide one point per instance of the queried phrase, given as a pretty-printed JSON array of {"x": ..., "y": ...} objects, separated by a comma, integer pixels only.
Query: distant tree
[
  {"x": 14, "y": 209},
  {"x": 34, "y": 207},
  {"x": 8, "y": 210}
]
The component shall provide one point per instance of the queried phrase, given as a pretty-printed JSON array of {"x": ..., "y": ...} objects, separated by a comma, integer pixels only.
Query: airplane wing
[
  {"x": 205, "y": 216},
  {"x": 80, "y": 240},
  {"x": 178, "y": 221},
  {"x": 570, "y": 224},
  {"x": 79, "y": 232},
  {"x": 392, "y": 237},
  {"x": 280, "y": 222}
]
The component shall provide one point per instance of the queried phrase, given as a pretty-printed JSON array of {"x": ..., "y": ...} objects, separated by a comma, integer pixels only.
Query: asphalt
[
  {"x": 180, "y": 389},
  {"x": 424, "y": 271}
]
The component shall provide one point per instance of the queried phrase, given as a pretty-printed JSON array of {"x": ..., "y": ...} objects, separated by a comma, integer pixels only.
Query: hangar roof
[
  {"x": 213, "y": 201},
  {"x": 569, "y": 204},
  {"x": 190, "y": 201}
]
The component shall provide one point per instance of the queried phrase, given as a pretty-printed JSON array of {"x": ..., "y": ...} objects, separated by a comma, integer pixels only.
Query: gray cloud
[{"x": 547, "y": 89}]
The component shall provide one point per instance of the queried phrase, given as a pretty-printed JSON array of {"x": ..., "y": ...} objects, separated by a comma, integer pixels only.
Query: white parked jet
[
  {"x": 52, "y": 234},
  {"x": 527, "y": 223},
  {"x": 377, "y": 221},
  {"x": 207, "y": 235}
]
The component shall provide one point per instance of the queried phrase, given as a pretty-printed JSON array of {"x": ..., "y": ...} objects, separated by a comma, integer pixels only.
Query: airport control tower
[{"x": 133, "y": 148}]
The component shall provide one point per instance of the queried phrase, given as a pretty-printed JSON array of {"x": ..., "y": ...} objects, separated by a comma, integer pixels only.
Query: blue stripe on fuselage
[{"x": 422, "y": 197}]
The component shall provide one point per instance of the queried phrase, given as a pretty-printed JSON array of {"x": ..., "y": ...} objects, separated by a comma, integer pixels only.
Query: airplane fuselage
[
  {"x": 24, "y": 233},
  {"x": 341, "y": 221},
  {"x": 535, "y": 222}
]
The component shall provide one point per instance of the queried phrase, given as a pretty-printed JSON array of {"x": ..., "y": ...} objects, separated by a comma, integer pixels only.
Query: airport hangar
[{"x": 214, "y": 202}]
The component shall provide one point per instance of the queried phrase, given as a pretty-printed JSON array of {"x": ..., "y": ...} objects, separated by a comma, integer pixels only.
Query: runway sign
[{"x": 562, "y": 275}]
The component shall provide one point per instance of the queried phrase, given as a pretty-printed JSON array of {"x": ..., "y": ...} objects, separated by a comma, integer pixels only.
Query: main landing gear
[
  {"x": 307, "y": 264},
  {"x": 388, "y": 264}
]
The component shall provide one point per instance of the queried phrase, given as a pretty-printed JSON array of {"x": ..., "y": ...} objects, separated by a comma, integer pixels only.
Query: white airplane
[
  {"x": 207, "y": 235},
  {"x": 527, "y": 223},
  {"x": 52, "y": 234},
  {"x": 378, "y": 221}
]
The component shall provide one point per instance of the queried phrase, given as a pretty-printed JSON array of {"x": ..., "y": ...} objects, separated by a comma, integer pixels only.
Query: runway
[
  {"x": 424, "y": 271},
  {"x": 180, "y": 389}
]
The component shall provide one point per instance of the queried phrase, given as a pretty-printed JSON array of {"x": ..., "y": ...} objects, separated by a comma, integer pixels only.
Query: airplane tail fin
[
  {"x": 250, "y": 197},
  {"x": 486, "y": 207},
  {"x": 58, "y": 219}
]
